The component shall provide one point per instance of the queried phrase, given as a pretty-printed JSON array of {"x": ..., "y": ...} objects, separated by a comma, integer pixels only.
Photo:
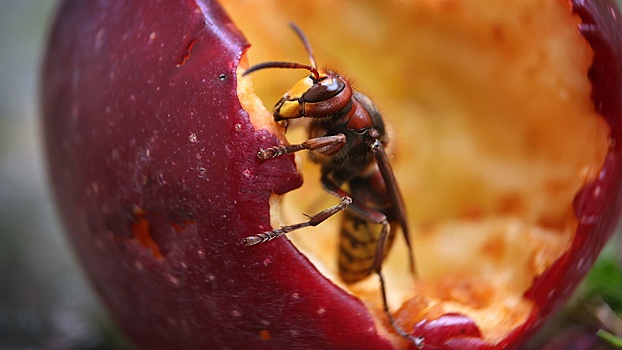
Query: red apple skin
[
  {"x": 140, "y": 129},
  {"x": 153, "y": 167}
]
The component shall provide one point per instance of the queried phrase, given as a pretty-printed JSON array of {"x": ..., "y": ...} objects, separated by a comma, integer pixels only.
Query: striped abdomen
[{"x": 358, "y": 240}]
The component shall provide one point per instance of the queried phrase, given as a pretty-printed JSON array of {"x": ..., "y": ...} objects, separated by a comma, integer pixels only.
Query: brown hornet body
[{"x": 347, "y": 136}]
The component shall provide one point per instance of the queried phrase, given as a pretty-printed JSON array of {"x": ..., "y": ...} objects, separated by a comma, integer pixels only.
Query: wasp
[{"x": 347, "y": 137}]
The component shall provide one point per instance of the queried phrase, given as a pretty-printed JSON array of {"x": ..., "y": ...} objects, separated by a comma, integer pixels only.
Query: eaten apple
[{"x": 505, "y": 117}]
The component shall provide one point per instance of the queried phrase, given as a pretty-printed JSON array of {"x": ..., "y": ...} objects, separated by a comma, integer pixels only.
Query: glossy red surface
[{"x": 142, "y": 122}]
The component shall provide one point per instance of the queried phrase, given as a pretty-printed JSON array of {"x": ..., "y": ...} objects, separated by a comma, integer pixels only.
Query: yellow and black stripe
[{"x": 358, "y": 240}]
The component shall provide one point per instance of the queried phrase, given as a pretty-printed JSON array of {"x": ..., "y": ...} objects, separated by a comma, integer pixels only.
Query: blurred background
[{"x": 45, "y": 300}]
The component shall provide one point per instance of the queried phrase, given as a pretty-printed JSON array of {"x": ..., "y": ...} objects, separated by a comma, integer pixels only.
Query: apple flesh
[{"x": 505, "y": 149}]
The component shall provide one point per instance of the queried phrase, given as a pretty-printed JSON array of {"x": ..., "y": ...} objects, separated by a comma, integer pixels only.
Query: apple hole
[{"x": 494, "y": 133}]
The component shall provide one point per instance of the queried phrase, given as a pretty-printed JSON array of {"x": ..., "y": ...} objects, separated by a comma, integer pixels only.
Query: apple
[{"x": 505, "y": 117}]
